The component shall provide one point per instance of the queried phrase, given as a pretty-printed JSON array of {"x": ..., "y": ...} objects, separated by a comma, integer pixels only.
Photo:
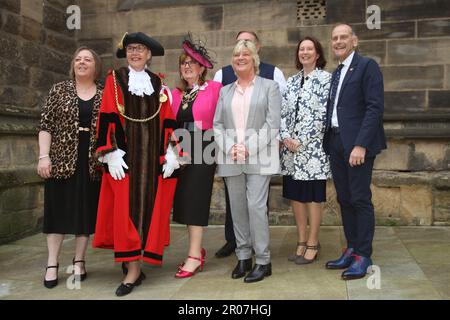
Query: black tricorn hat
[{"x": 139, "y": 37}]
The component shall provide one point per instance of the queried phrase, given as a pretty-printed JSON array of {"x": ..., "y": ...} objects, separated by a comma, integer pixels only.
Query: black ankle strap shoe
[
  {"x": 82, "y": 276},
  {"x": 51, "y": 283}
]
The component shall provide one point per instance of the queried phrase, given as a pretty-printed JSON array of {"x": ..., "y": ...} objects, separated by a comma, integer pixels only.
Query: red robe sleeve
[{"x": 110, "y": 134}]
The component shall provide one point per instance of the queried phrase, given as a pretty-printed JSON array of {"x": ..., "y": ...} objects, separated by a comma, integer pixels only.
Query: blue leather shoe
[
  {"x": 358, "y": 268},
  {"x": 343, "y": 262}
]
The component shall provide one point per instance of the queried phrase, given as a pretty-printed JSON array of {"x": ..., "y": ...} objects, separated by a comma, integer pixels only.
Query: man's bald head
[{"x": 343, "y": 41}]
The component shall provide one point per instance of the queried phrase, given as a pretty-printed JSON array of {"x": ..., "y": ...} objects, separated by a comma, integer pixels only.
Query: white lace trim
[
  {"x": 202, "y": 87},
  {"x": 139, "y": 83}
]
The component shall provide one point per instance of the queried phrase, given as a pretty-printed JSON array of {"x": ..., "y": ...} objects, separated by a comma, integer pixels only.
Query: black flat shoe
[
  {"x": 81, "y": 276},
  {"x": 258, "y": 273},
  {"x": 126, "y": 288},
  {"x": 227, "y": 250},
  {"x": 242, "y": 267},
  {"x": 51, "y": 283}
]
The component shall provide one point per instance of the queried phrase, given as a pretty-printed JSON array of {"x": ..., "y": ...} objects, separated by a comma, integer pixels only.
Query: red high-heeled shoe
[
  {"x": 203, "y": 255},
  {"x": 186, "y": 274}
]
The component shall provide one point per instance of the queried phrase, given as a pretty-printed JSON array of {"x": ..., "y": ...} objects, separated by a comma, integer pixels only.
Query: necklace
[
  {"x": 187, "y": 98},
  {"x": 121, "y": 107}
]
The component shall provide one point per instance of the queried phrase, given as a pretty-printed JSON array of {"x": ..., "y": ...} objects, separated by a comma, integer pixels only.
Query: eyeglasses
[
  {"x": 139, "y": 48},
  {"x": 188, "y": 63}
]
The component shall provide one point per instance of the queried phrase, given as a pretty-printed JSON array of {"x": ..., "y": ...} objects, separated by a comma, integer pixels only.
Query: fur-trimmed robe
[{"x": 133, "y": 213}]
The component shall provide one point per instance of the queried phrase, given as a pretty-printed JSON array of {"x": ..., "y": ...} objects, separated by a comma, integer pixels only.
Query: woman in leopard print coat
[{"x": 66, "y": 148}]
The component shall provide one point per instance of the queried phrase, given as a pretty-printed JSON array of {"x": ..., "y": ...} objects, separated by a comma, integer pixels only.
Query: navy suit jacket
[{"x": 360, "y": 108}]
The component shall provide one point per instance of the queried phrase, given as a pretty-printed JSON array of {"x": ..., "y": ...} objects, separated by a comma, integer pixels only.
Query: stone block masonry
[{"x": 35, "y": 53}]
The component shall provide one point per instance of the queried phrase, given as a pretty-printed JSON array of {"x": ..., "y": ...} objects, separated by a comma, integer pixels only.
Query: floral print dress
[{"x": 303, "y": 117}]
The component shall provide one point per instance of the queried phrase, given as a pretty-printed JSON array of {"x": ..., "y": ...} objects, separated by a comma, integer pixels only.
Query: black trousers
[
  {"x": 229, "y": 230},
  {"x": 354, "y": 197}
]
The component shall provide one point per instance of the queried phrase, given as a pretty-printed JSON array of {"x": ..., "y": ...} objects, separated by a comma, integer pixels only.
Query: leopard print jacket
[{"x": 60, "y": 118}]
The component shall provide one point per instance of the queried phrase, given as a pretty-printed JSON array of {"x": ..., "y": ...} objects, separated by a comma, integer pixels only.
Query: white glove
[
  {"x": 171, "y": 163},
  {"x": 115, "y": 163}
]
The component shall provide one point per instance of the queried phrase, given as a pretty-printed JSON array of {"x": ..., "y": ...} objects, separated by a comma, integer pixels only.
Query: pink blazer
[{"x": 204, "y": 105}]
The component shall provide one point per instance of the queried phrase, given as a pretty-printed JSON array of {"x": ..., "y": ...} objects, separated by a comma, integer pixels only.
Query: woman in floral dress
[{"x": 305, "y": 166}]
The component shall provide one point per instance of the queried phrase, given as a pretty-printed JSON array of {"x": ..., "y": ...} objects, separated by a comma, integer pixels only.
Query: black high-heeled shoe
[
  {"x": 82, "y": 275},
  {"x": 126, "y": 288},
  {"x": 294, "y": 256},
  {"x": 302, "y": 260},
  {"x": 51, "y": 283}
]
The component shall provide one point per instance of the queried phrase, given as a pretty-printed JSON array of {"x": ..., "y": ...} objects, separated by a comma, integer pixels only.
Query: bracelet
[{"x": 44, "y": 156}]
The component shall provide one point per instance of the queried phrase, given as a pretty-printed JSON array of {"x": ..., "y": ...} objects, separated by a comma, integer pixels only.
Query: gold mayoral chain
[
  {"x": 121, "y": 107},
  {"x": 188, "y": 98}
]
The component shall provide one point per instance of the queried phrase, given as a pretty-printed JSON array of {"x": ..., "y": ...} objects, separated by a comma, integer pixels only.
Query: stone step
[{"x": 400, "y": 198}]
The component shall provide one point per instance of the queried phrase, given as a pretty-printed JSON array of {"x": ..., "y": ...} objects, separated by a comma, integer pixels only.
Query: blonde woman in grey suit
[{"x": 246, "y": 125}]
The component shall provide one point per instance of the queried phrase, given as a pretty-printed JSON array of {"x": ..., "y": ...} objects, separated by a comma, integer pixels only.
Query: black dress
[
  {"x": 70, "y": 205},
  {"x": 195, "y": 181},
  {"x": 304, "y": 190}
]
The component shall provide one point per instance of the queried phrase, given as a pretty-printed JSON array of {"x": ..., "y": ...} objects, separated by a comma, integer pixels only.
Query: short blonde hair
[{"x": 246, "y": 44}]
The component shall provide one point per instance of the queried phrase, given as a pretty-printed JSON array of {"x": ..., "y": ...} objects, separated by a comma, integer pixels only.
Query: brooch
[{"x": 162, "y": 98}]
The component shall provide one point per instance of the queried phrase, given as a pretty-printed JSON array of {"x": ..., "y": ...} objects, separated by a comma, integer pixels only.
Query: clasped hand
[
  {"x": 239, "y": 152},
  {"x": 292, "y": 144}
]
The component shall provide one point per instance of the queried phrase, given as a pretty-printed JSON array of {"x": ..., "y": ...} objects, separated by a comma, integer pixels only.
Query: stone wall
[
  {"x": 35, "y": 52},
  {"x": 411, "y": 180}
]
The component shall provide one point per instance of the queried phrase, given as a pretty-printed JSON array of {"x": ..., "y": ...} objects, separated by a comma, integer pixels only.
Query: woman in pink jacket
[{"x": 194, "y": 104}]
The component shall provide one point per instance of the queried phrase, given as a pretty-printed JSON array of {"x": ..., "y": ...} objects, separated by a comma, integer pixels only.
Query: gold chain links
[{"x": 121, "y": 108}]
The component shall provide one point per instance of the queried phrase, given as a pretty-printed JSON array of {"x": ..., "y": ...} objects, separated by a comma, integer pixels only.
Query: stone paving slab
[{"x": 414, "y": 263}]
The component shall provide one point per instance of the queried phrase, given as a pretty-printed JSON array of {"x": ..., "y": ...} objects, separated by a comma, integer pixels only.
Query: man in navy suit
[{"x": 354, "y": 136}]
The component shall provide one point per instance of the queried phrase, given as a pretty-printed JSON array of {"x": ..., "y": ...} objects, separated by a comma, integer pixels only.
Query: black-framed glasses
[
  {"x": 138, "y": 48},
  {"x": 189, "y": 63}
]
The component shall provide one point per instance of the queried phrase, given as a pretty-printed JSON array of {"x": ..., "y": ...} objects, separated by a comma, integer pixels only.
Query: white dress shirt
[{"x": 346, "y": 63}]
